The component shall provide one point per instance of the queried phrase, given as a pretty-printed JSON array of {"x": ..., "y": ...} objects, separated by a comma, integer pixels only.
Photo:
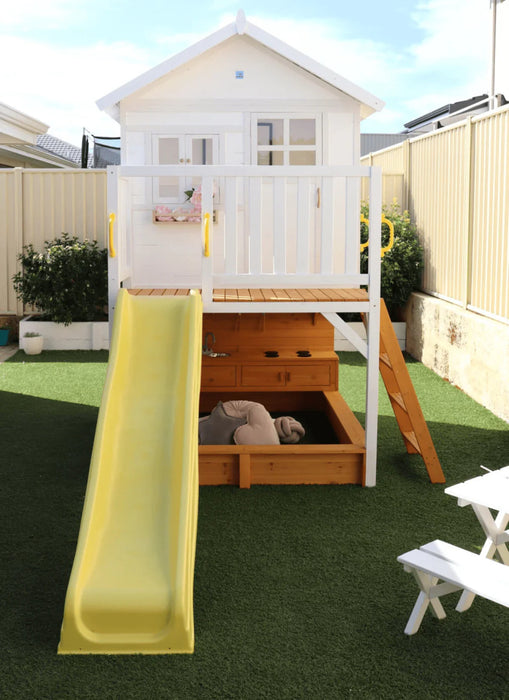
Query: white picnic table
[
  {"x": 440, "y": 568},
  {"x": 486, "y": 493}
]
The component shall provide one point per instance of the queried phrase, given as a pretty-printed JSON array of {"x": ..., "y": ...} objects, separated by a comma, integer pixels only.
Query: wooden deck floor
[{"x": 266, "y": 295}]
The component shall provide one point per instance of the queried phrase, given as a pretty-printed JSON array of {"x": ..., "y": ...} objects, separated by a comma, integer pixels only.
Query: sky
[{"x": 59, "y": 56}]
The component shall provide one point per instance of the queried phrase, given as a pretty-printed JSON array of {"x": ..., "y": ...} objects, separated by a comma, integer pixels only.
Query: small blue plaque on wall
[{"x": 239, "y": 74}]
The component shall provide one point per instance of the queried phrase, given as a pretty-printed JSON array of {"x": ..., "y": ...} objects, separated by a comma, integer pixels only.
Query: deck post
[
  {"x": 373, "y": 330},
  {"x": 207, "y": 190},
  {"x": 112, "y": 203}
]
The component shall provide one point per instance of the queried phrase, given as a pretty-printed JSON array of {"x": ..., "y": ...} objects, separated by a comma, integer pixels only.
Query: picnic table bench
[{"x": 457, "y": 569}]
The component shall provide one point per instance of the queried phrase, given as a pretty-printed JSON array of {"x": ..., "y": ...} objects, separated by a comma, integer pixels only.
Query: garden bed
[{"x": 86, "y": 335}]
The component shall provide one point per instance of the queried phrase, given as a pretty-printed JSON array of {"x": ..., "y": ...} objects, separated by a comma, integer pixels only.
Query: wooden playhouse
[{"x": 240, "y": 178}]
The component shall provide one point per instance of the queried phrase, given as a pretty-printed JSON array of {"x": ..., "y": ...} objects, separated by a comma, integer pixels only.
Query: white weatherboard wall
[{"x": 204, "y": 98}]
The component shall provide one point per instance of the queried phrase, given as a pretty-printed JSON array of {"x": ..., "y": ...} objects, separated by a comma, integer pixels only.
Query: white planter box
[
  {"x": 88, "y": 335},
  {"x": 341, "y": 343}
]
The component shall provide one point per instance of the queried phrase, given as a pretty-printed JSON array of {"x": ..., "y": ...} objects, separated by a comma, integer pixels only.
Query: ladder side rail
[{"x": 409, "y": 416}]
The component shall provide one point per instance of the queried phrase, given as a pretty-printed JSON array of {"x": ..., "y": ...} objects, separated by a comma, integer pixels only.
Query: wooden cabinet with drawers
[
  {"x": 273, "y": 352},
  {"x": 254, "y": 372}
]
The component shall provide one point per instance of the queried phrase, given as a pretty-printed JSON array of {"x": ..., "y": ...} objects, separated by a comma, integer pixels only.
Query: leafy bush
[
  {"x": 402, "y": 264},
  {"x": 67, "y": 282}
]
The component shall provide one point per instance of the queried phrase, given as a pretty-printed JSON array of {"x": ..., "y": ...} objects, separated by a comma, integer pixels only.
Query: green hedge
[
  {"x": 402, "y": 265},
  {"x": 67, "y": 282}
]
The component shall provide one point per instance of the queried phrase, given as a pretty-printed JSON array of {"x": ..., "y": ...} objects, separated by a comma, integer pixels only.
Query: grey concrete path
[{"x": 7, "y": 351}]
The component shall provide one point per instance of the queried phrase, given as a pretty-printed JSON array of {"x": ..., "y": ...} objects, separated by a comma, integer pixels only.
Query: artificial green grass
[{"x": 297, "y": 590}]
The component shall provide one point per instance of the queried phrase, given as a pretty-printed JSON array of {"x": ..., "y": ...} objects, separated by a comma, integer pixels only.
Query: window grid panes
[{"x": 286, "y": 141}]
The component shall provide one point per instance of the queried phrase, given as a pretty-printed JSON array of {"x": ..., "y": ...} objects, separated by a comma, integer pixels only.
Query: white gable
[
  {"x": 236, "y": 70},
  {"x": 249, "y": 35}
]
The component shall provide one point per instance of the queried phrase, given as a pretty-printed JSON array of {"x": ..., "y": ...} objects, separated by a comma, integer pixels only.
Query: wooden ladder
[{"x": 404, "y": 401}]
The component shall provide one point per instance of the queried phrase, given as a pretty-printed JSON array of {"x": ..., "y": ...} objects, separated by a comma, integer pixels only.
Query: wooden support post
[
  {"x": 207, "y": 239},
  {"x": 113, "y": 262},
  {"x": 373, "y": 331},
  {"x": 244, "y": 470}
]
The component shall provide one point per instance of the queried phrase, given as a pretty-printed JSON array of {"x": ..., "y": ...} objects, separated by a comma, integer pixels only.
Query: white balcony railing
[{"x": 273, "y": 227}]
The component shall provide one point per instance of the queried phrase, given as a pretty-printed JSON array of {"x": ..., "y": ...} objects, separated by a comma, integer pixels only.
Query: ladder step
[
  {"x": 404, "y": 401},
  {"x": 412, "y": 439},
  {"x": 384, "y": 357},
  {"x": 398, "y": 398}
]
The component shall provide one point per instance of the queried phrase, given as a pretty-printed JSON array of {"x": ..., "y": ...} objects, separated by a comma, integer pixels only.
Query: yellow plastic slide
[{"x": 131, "y": 586}]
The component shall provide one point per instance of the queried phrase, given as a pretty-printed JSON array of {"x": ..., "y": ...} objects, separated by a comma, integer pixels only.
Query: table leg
[
  {"x": 496, "y": 538},
  {"x": 426, "y": 583}
]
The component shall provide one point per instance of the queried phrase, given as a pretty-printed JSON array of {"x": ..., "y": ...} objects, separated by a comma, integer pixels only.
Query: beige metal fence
[
  {"x": 454, "y": 184},
  {"x": 453, "y": 181},
  {"x": 38, "y": 205}
]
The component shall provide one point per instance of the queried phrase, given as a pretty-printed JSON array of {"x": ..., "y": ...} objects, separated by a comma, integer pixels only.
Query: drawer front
[
  {"x": 262, "y": 375},
  {"x": 308, "y": 375},
  {"x": 218, "y": 376}
]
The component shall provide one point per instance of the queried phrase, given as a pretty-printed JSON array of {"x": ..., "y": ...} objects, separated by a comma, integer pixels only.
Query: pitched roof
[
  {"x": 369, "y": 103},
  {"x": 447, "y": 110},
  {"x": 17, "y": 127},
  {"x": 63, "y": 149}
]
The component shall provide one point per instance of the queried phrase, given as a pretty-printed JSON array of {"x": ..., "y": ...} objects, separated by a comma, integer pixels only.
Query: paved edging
[{"x": 7, "y": 351}]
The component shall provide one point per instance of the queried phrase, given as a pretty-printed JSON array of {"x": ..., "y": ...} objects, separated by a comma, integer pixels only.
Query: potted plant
[
  {"x": 32, "y": 343},
  {"x": 4, "y": 334},
  {"x": 68, "y": 284}
]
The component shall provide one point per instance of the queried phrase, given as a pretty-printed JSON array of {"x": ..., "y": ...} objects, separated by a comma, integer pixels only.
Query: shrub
[
  {"x": 67, "y": 282},
  {"x": 402, "y": 264}
]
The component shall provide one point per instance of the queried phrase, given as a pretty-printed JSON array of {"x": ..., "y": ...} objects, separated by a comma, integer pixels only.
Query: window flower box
[{"x": 163, "y": 215}]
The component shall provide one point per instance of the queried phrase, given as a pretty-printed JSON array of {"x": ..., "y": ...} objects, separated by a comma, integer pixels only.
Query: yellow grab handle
[
  {"x": 206, "y": 223},
  {"x": 364, "y": 221},
  {"x": 385, "y": 220},
  {"x": 385, "y": 250},
  {"x": 112, "y": 249}
]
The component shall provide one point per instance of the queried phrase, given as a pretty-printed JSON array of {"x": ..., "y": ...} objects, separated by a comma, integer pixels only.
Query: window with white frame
[
  {"x": 286, "y": 139},
  {"x": 181, "y": 150}
]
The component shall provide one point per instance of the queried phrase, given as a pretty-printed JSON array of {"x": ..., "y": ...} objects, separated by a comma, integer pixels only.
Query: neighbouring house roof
[
  {"x": 369, "y": 103},
  {"x": 57, "y": 147},
  {"x": 376, "y": 142},
  {"x": 17, "y": 127},
  {"x": 24, "y": 142},
  {"x": 436, "y": 119},
  {"x": 449, "y": 113},
  {"x": 48, "y": 152}
]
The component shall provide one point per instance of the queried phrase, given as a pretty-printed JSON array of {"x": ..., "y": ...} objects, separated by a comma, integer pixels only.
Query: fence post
[
  {"x": 18, "y": 229},
  {"x": 469, "y": 212},
  {"x": 407, "y": 155}
]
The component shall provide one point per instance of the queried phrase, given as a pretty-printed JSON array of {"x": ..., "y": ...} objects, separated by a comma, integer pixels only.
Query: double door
[{"x": 185, "y": 149}]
